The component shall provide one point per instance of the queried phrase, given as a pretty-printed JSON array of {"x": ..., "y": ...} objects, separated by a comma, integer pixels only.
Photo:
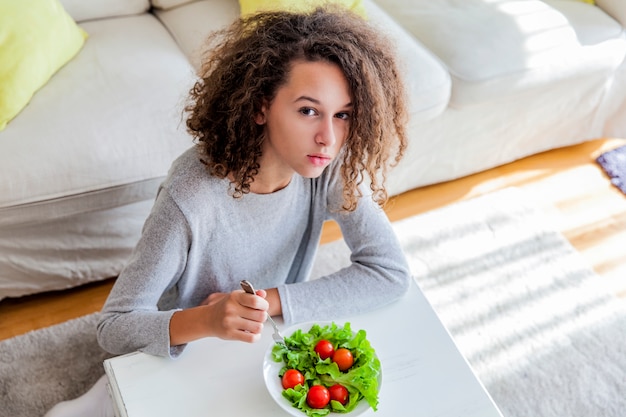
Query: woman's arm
[
  {"x": 131, "y": 319},
  {"x": 378, "y": 273},
  {"x": 233, "y": 316}
]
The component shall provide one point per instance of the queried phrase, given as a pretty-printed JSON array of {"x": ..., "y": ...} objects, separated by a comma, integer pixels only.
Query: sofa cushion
[
  {"x": 37, "y": 37},
  {"x": 81, "y": 10},
  {"x": 591, "y": 25},
  {"x": 615, "y": 8},
  {"x": 191, "y": 23},
  {"x": 537, "y": 42},
  {"x": 104, "y": 131}
]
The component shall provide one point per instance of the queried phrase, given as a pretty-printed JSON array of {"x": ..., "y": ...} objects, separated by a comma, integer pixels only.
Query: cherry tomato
[
  {"x": 338, "y": 393},
  {"x": 343, "y": 358},
  {"x": 325, "y": 349},
  {"x": 291, "y": 378},
  {"x": 318, "y": 396}
]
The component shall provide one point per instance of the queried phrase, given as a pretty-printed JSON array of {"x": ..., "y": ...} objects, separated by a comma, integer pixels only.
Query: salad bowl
[{"x": 272, "y": 368}]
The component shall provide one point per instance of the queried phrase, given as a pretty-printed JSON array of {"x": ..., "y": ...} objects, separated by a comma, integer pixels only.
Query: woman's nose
[{"x": 326, "y": 135}]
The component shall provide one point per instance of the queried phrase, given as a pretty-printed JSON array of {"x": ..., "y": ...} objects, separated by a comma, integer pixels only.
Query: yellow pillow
[
  {"x": 37, "y": 37},
  {"x": 252, "y": 6}
]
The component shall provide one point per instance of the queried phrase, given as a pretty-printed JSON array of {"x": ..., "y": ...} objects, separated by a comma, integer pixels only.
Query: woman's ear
[{"x": 260, "y": 118}]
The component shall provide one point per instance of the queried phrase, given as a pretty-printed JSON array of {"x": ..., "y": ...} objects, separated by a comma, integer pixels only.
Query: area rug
[
  {"x": 539, "y": 327},
  {"x": 613, "y": 163},
  {"x": 46, "y": 366}
]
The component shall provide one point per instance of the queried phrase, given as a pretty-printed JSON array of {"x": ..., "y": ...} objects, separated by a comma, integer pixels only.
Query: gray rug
[
  {"x": 538, "y": 326},
  {"x": 43, "y": 367}
]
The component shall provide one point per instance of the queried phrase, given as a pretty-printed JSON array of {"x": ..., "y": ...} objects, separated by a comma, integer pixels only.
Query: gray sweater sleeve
[
  {"x": 131, "y": 319},
  {"x": 378, "y": 273}
]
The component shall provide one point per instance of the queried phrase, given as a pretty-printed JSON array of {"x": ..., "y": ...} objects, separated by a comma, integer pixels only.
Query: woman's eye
[
  {"x": 307, "y": 111},
  {"x": 343, "y": 116}
]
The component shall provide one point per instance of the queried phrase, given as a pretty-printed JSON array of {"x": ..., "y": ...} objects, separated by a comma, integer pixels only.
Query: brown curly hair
[{"x": 248, "y": 61}]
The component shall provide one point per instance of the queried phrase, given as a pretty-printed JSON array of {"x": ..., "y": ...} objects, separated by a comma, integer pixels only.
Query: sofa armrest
[{"x": 615, "y": 8}]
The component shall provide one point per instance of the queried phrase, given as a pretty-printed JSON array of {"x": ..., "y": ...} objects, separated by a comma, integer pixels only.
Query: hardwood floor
[{"x": 592, "y": 216}]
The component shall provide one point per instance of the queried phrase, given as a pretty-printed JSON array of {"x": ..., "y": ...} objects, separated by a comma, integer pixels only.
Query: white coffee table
[{"x": 424, "y": 374}]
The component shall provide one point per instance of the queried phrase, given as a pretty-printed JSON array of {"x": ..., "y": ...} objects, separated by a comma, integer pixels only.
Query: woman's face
[{"x": 307, "y": 122}]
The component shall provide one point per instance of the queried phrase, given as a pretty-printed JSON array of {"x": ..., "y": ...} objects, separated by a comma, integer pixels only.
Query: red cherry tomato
[
  {"x": 291, "y": 378},
  {"x": 324, "y": 349},
  {"x": 343, "y": 358},
  {"x": 318, "y": 396},
  {"x": 338, "y": 393}
]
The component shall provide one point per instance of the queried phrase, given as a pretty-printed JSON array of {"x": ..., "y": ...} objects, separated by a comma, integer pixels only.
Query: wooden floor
[{"x": 592, "y": 213}]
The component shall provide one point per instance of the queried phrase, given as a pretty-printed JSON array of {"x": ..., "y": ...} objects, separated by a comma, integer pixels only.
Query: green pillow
[
  {"x": 252, "y": 6},
  {"x": 37, "y": 37}
]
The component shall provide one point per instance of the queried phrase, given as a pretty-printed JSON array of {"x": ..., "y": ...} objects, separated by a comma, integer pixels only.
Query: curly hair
[{"x": 247, "y": 62}]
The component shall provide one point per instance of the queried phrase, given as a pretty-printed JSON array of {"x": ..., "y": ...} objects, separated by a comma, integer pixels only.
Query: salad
[{"x": 328, "y": 369}]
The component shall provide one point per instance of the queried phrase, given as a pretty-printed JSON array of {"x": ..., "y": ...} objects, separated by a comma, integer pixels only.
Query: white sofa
[{"x": 490, "y": 81}]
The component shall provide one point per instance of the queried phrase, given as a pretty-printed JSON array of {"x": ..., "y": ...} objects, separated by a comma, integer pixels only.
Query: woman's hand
[
  {"x": 231, "y": 316},
  {"x": 237, "y": 315}
]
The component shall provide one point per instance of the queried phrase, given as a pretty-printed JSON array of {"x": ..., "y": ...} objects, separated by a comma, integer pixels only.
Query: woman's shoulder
[
  {"x": 188, "y": 161},
  {"x": 183, "y": 167},
  {"x": 188, "y": 176}
]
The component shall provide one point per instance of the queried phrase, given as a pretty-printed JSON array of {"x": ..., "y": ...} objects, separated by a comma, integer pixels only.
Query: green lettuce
[{"x": 361, "y": 380}]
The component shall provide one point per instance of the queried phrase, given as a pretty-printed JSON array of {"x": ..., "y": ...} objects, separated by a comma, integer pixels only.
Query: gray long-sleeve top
[{"x": 198, "y": 239}]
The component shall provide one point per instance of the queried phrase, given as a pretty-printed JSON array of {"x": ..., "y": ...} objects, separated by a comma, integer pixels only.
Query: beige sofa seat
[
  {"x": 99, "y": 136},
  {"x": 527, "y": 76}
]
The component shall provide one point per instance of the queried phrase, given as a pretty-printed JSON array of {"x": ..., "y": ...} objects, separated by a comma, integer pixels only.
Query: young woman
[{"x": 296, "y": 119}]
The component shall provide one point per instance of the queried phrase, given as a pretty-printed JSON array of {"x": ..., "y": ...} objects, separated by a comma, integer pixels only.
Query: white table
[{"x": 424, "y": 374}]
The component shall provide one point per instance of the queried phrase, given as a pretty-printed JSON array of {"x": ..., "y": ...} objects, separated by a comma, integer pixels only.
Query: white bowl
[{"x": 274, "y": 383}]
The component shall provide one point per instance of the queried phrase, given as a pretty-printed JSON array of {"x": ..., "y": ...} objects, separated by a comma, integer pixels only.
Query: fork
[{"x": 278, "y": 338}]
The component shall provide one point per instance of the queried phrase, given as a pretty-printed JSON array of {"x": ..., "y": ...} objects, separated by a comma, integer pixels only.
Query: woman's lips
[{"x": 319, "y": 160}]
